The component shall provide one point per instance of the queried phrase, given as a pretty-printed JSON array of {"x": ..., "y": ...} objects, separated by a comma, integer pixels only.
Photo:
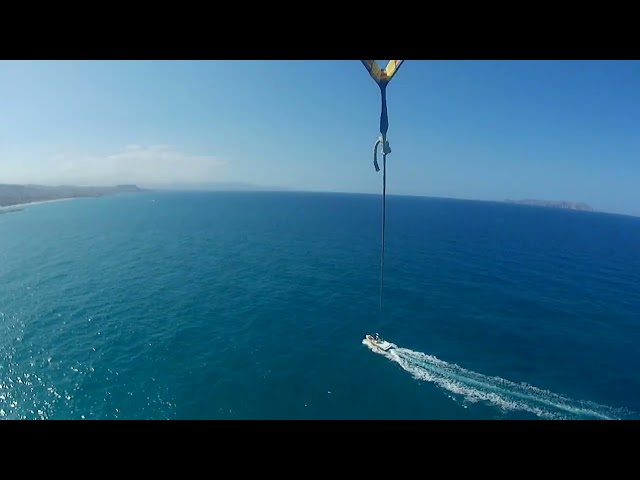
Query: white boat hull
[{"x": 379, "y": 343}]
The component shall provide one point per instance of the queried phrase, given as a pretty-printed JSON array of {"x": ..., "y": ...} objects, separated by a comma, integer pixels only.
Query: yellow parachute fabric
[{"x": 379, "y": 75}]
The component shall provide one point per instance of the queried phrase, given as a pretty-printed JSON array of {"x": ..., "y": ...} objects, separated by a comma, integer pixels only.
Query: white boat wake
[{"x": 506, "y": 395}]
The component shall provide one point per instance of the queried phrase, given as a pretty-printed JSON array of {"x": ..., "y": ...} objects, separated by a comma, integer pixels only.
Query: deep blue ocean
[{"x": 224, "y": 305}]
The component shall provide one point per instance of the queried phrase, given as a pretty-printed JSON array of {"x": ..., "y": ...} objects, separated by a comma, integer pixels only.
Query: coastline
[
  {"x": 25, "y": 195},
  {"x": 36, "y": 202}
]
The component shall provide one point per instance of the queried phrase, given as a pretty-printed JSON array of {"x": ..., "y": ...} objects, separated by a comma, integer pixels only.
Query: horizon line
[{"x": 246, "y": 187}]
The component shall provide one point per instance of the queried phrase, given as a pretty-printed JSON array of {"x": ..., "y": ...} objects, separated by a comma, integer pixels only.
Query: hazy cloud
[{"x": 155, "y": 164}]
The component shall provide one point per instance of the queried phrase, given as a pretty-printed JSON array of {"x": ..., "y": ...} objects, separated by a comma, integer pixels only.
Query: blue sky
[{"x": 557, "y": 130}]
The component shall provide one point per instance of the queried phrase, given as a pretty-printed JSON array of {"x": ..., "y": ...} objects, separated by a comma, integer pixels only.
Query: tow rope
[{"x": 382, "y": 79}]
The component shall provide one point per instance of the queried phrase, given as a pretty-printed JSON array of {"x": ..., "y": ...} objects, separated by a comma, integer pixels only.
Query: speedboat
[{"x": 377, "y": 342}]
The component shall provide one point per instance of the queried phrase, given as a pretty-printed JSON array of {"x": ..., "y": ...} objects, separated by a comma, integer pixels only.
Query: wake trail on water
[{"x": 499, "y": 392}]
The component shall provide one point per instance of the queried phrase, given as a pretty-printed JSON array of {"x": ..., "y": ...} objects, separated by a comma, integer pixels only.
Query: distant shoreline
[
  {"x": 12, "y": 195},
  {"x": 18, "y": 191},
  {"x": 36, "y": 202},
  {"x": 561, "y": 204}
]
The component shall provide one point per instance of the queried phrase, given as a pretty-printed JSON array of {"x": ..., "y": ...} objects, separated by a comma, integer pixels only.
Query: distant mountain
[
  {"x": 553, "y": 204},
  {"x": 217, "y": 186},
  {"x": 18, "y": 194}
]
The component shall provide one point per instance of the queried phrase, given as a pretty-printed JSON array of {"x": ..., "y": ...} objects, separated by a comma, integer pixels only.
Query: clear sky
[{"x": 555, "y": 130}]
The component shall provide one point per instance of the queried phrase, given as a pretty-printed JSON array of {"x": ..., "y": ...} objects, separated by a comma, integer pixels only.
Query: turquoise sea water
[{"x": 254, "y": 305}]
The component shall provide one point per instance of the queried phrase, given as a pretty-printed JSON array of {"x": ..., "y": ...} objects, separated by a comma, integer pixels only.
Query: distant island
[
  {"x": 23, "y": 194},
  {"x": 554, "y": 204}
]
